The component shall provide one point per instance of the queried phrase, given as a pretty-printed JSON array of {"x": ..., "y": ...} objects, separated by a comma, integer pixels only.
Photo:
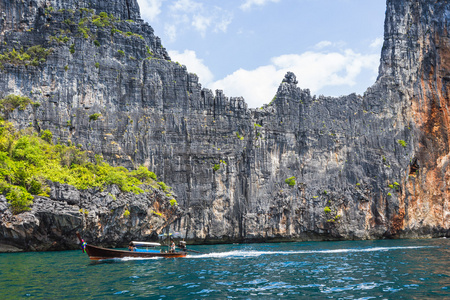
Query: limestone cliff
[{"x": 302, "y": 167}]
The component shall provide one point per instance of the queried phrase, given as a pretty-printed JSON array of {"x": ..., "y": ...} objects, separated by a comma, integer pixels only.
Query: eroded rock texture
[
  {"x": 369, "y": 166},
  {"x": 109, "y": 217}
]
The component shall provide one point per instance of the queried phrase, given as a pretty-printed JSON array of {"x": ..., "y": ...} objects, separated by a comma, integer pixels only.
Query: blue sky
[{"x": 245, "y": 47}]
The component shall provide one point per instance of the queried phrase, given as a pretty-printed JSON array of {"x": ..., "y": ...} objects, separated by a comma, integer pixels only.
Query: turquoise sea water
[{"x": 387, "y": 269}]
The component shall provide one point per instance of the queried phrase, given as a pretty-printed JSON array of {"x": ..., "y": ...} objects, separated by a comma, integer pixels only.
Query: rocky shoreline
[{"x": 100, "y": 216}]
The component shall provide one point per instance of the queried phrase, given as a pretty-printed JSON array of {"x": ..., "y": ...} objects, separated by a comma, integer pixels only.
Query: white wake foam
[{"x": 255, "y": 253}]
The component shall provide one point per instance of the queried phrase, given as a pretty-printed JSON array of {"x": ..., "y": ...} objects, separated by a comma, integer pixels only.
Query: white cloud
[
  {"x": 201, "y": 24},
  {"x": 256, "y": 86},
  {"x": 194, "y": 65},
  {"x": 323, "y": 44},
  {"x": 150, "y": 9},
  {"x": 186, "y": 6},
  {"x": 170, "y": 31},
  {"x": 186, "y": 13},
  {"x": 327, "y": 44},
  {"x": 377, "y": 43},
  {"x": 247, "y": 5},
  {"x": 314, "y": 70},
  {"x": 222, "y": 24}
]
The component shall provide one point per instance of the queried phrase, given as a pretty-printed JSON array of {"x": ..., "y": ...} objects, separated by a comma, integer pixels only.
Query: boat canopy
[{"x": 145, "y": 244}]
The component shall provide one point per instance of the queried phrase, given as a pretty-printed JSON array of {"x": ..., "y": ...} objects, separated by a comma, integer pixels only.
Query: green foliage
[
  {"x": 395, "y": 186},
  {"x": 28, "y": 161},
  {"x": 83, "y": 29},
  {"x": 121, "y": 52},
  {"x": 66, "y": 68},
  {"x": 257, "y": 125},
  {"x": 48, "y": 10},
  {"x": 94, "y": 117},
  {"x": 97, "y": 43},
  {"x": 327, "y": 210},
  {"x": 97, "y": 65},
  {"x": 239, "y": 136},
  {"x": 72, "y": 48},
  {"x": 68, "y": 22},
  {"x": 164, "y": 186},
  {"x": 290, "y": 181},
  {"x": 61, "y": 39},
  {"x": 143, "y": 174},
  {"x": 27, "y": 149},
  {"x": 126, "y": 213},
  {"x": 47, "y": 136},
  {"x": 19, "y": 199},
  {"x": 156, "y": 213},
  {"x": 173, "y": 202},
  {"x": 34, "y": 56},
  {"x": 336, "y": 218},
  {"x": 216, "y": 167},
  {"x": 402, "y": 143},
  {"x": 11, "y": 102},
  {"x": 115, "y": 30}
]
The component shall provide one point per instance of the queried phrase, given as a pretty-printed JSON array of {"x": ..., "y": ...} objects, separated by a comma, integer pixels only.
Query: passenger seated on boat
[
  {"x": 172, "y": 247},
  {"x": 130, "y": 247}
]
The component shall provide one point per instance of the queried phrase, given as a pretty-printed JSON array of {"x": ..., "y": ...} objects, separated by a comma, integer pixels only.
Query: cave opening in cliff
[{"x": 414, "y": 167}]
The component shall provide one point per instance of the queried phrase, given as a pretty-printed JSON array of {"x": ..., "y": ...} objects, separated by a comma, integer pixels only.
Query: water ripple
[{"x": 415, "y": 269}]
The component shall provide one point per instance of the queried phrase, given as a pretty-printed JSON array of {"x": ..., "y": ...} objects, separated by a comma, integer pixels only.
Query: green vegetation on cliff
[
  {"x": 11, "y": 102},
  {"x": 34, "y": 56},
  {"x": 30, "y": 162},
  {"x": 290, "y": 181}
]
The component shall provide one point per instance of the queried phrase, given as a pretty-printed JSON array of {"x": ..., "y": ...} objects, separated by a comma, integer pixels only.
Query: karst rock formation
[{"x": 300, "y": 168}]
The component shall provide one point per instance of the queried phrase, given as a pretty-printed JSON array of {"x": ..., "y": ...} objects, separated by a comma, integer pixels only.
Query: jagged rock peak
[
  {"x": 290, "y": 78},
  {"x": 289, "y": 91}
]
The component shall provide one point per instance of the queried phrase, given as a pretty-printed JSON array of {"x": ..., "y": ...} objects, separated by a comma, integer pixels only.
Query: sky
[{"x": 245, "y": 47}]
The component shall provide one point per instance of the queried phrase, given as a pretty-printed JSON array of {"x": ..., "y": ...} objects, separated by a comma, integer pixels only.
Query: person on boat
[
  {"x": 182, "y": 245},
  {"x": 130, "y": 247},
  {"x": 172, "y": 247}
]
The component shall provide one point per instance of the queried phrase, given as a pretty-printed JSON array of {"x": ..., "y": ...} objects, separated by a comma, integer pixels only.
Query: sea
[{"x": 382, "y": 269}]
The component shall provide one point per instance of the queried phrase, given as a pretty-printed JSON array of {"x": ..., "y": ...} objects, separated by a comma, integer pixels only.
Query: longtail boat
[{"x": 136, "y": 250}]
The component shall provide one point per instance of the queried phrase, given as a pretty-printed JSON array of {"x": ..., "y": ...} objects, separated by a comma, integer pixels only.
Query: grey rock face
[
  {"x": 363, "y": 167},
  {"x": 109, "y": 218}
]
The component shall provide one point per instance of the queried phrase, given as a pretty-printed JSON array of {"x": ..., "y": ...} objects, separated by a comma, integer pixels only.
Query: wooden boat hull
[{"x": 98, "y": 253}]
